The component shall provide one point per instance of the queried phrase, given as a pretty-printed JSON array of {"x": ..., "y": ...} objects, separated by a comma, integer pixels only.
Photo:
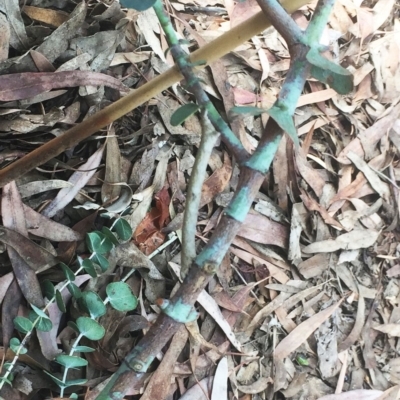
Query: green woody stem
[{"x": 252, "y": 175}]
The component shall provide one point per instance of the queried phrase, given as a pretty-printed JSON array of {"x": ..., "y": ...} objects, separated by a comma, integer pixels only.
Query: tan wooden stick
[{"x": 208, "y": 53}]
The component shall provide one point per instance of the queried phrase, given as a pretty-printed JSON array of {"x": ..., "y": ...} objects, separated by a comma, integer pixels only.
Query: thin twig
[{"x": 193, "y": 196}]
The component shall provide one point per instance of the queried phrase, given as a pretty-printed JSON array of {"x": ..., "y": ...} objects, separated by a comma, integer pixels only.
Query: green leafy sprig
[{"x": 119, "y": 295}]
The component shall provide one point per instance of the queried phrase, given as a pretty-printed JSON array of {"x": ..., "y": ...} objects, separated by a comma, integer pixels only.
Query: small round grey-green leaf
[
  {"x": 93, "y": 241},
  {"x": 92, "y": 304},
  {"x": 123, "y": 229},
  {"x": 74, "y": 290},
  {"x": 139, "y": 5},
  {"x": 60, "y": 302},
  {"x": 58, "y": 381},
  {"x": 183, "y": 113},
  {"x": 75, "y": 382},
  {"x": 73, "y": 326},
  {"x": 71, "y": 361},
  {"x": 23, "y": 324},
  {"x": 106, "y": 231},
  {"x": 88, "y": 266},
  {"x": 90, "y": 328},
  {"x": 15, "y": 346},
  {"x": 98, "y": 242},
  {"x": 39, "y": 312},
  {"x": 101, "y": 261},
  {"x": 69, "y": 274},
  {"x": 42, "y": 324},
  {"x": 48, "y": 289},
  {"x": 121, "y": 296},
  {"x": 83, "y": 349}
]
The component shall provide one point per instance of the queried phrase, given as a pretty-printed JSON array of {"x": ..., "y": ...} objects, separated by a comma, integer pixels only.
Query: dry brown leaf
[
  {"x": 78, "y": 179},
  {"x": 160, "y": 381},
  {"x": 256, "y": 387},
  {"x": 14, "y": 219},
  {"x": 310, "y": 175},
  {"x": 29, "y": 84},
  {"x": 274, "y": 271},
  {"x": 366, "y": 141},
  {"x": 355, "y": 333},
  {"x": 9, "y": 311},
  {"x": 312, "y": 205},
  {"x": 19, "y": 39},
  {"x": 110, "y": 189},
  {"x": 208, "y": 303},
  {"x": 41, "y": 62},
  {"x": 223, "y": 300},
  {"x": 50, "y": 17},
  {"x": 217, "y": 182},
  {"x": 41, "y": 226},
  {"x": 261, "y": 229},
  {"x": 4, "y": 38},
  {"x": 5, "y": 282},
  {"x": 277, "y": 302},
  {"x": 199, "y": 391},
  {"x": 314, "y": 266},
  {"x": 360, "y": 394},
  {"x": 242, "y": 11},
  {"x": 390, "y": 394},
  {"x": 389, "y": 329},
  {"x": 356, "y": 239},
  {"x": 380, "y": 187},
  {"x": 148, "y": 24},
  {"x": 299, "y": 335},
  {"x": 220, "y": 384},
  {"x": 316, "y": 97}
]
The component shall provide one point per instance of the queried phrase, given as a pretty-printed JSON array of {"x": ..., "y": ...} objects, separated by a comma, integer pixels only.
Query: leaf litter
[{"x": 309, "y": 292}]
